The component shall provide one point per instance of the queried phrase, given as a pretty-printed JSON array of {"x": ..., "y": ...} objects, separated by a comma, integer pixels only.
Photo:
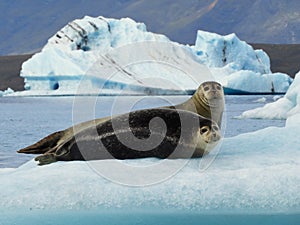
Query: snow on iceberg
[
  {"x": 284, "y": 108},
  {"x": 111, "y": 56}
]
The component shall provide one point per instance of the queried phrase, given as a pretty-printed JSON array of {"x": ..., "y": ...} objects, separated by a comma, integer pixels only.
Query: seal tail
[{"x": 44, "y": 145}]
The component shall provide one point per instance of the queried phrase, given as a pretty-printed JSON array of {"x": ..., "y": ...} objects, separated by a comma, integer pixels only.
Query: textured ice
[
  {"x": 218, "y": 51},
  {"x": 260, "y": 177},
  {"x": 282, "y": 108},
  {"x": 237, "y": 65},
  {"x": 107, "y": 56}
]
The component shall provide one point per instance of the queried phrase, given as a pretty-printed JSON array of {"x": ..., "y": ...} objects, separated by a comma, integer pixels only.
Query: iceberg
[
  {"x": 286, "y": 107},
  {"x": 108, "y": 56},
  {"x": 217, "y": 51},
  {"x": 237, "y": 66}
]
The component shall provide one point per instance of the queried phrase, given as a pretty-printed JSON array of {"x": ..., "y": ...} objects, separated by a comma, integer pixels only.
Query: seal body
[{"x": 161, "y": 133}]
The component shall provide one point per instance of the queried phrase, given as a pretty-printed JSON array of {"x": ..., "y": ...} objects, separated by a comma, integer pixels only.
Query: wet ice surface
[{"x": 26, "y": 120}]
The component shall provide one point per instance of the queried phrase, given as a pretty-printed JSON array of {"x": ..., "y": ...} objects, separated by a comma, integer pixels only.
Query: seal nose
[{"x": 215, "y": 136}]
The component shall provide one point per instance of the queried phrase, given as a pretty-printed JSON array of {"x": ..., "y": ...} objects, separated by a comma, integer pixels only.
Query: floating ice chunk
[
  {"x": 284, "y": 107},
  {"x": 274, "y": 110},
  {"x": 261, "y": 100},
  {"x": 8, "y": 91}
]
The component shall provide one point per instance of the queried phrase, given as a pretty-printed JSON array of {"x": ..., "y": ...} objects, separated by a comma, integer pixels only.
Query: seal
[
  {"x": 208, "y": 101},
  {"x": 160, "y": 133}
]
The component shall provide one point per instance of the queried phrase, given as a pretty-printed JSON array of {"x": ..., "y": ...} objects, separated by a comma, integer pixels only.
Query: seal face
[
  {"x": 161, "y": 133},
  {"x": 211, "y": 93},
  {"x": 208, "y": 101}
]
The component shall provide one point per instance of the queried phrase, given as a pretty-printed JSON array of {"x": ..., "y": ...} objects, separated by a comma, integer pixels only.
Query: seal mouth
[
  {"x": 214, "y": 101},
  {"x": 213, "y": 138}
]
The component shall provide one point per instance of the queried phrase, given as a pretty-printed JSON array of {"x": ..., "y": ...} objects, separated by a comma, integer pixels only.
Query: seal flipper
[
  {"x": 52, "y": 156},
  {"x": 55, "y": 154},
  {"x": 44, "y": 145},
  {"x": 46, "y": 159}
]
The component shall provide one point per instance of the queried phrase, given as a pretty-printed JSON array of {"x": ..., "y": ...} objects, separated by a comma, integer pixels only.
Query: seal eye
[
  {"x": 206, "y": 88},
  {"x": 218, "y": 87},
  {"x": 203, "y": 130},
  {"x": 215, "y": 127}
]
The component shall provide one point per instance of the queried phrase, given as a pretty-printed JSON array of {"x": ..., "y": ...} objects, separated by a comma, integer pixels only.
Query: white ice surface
[
  {"x": 251, "y": 173},
  {"x": 111, "y": 54}
]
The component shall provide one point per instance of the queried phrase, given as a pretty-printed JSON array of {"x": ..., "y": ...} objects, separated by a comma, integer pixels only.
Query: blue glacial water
[
  {"x": 137, "y": 218},
  {"x": 25, "y": 120}
]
